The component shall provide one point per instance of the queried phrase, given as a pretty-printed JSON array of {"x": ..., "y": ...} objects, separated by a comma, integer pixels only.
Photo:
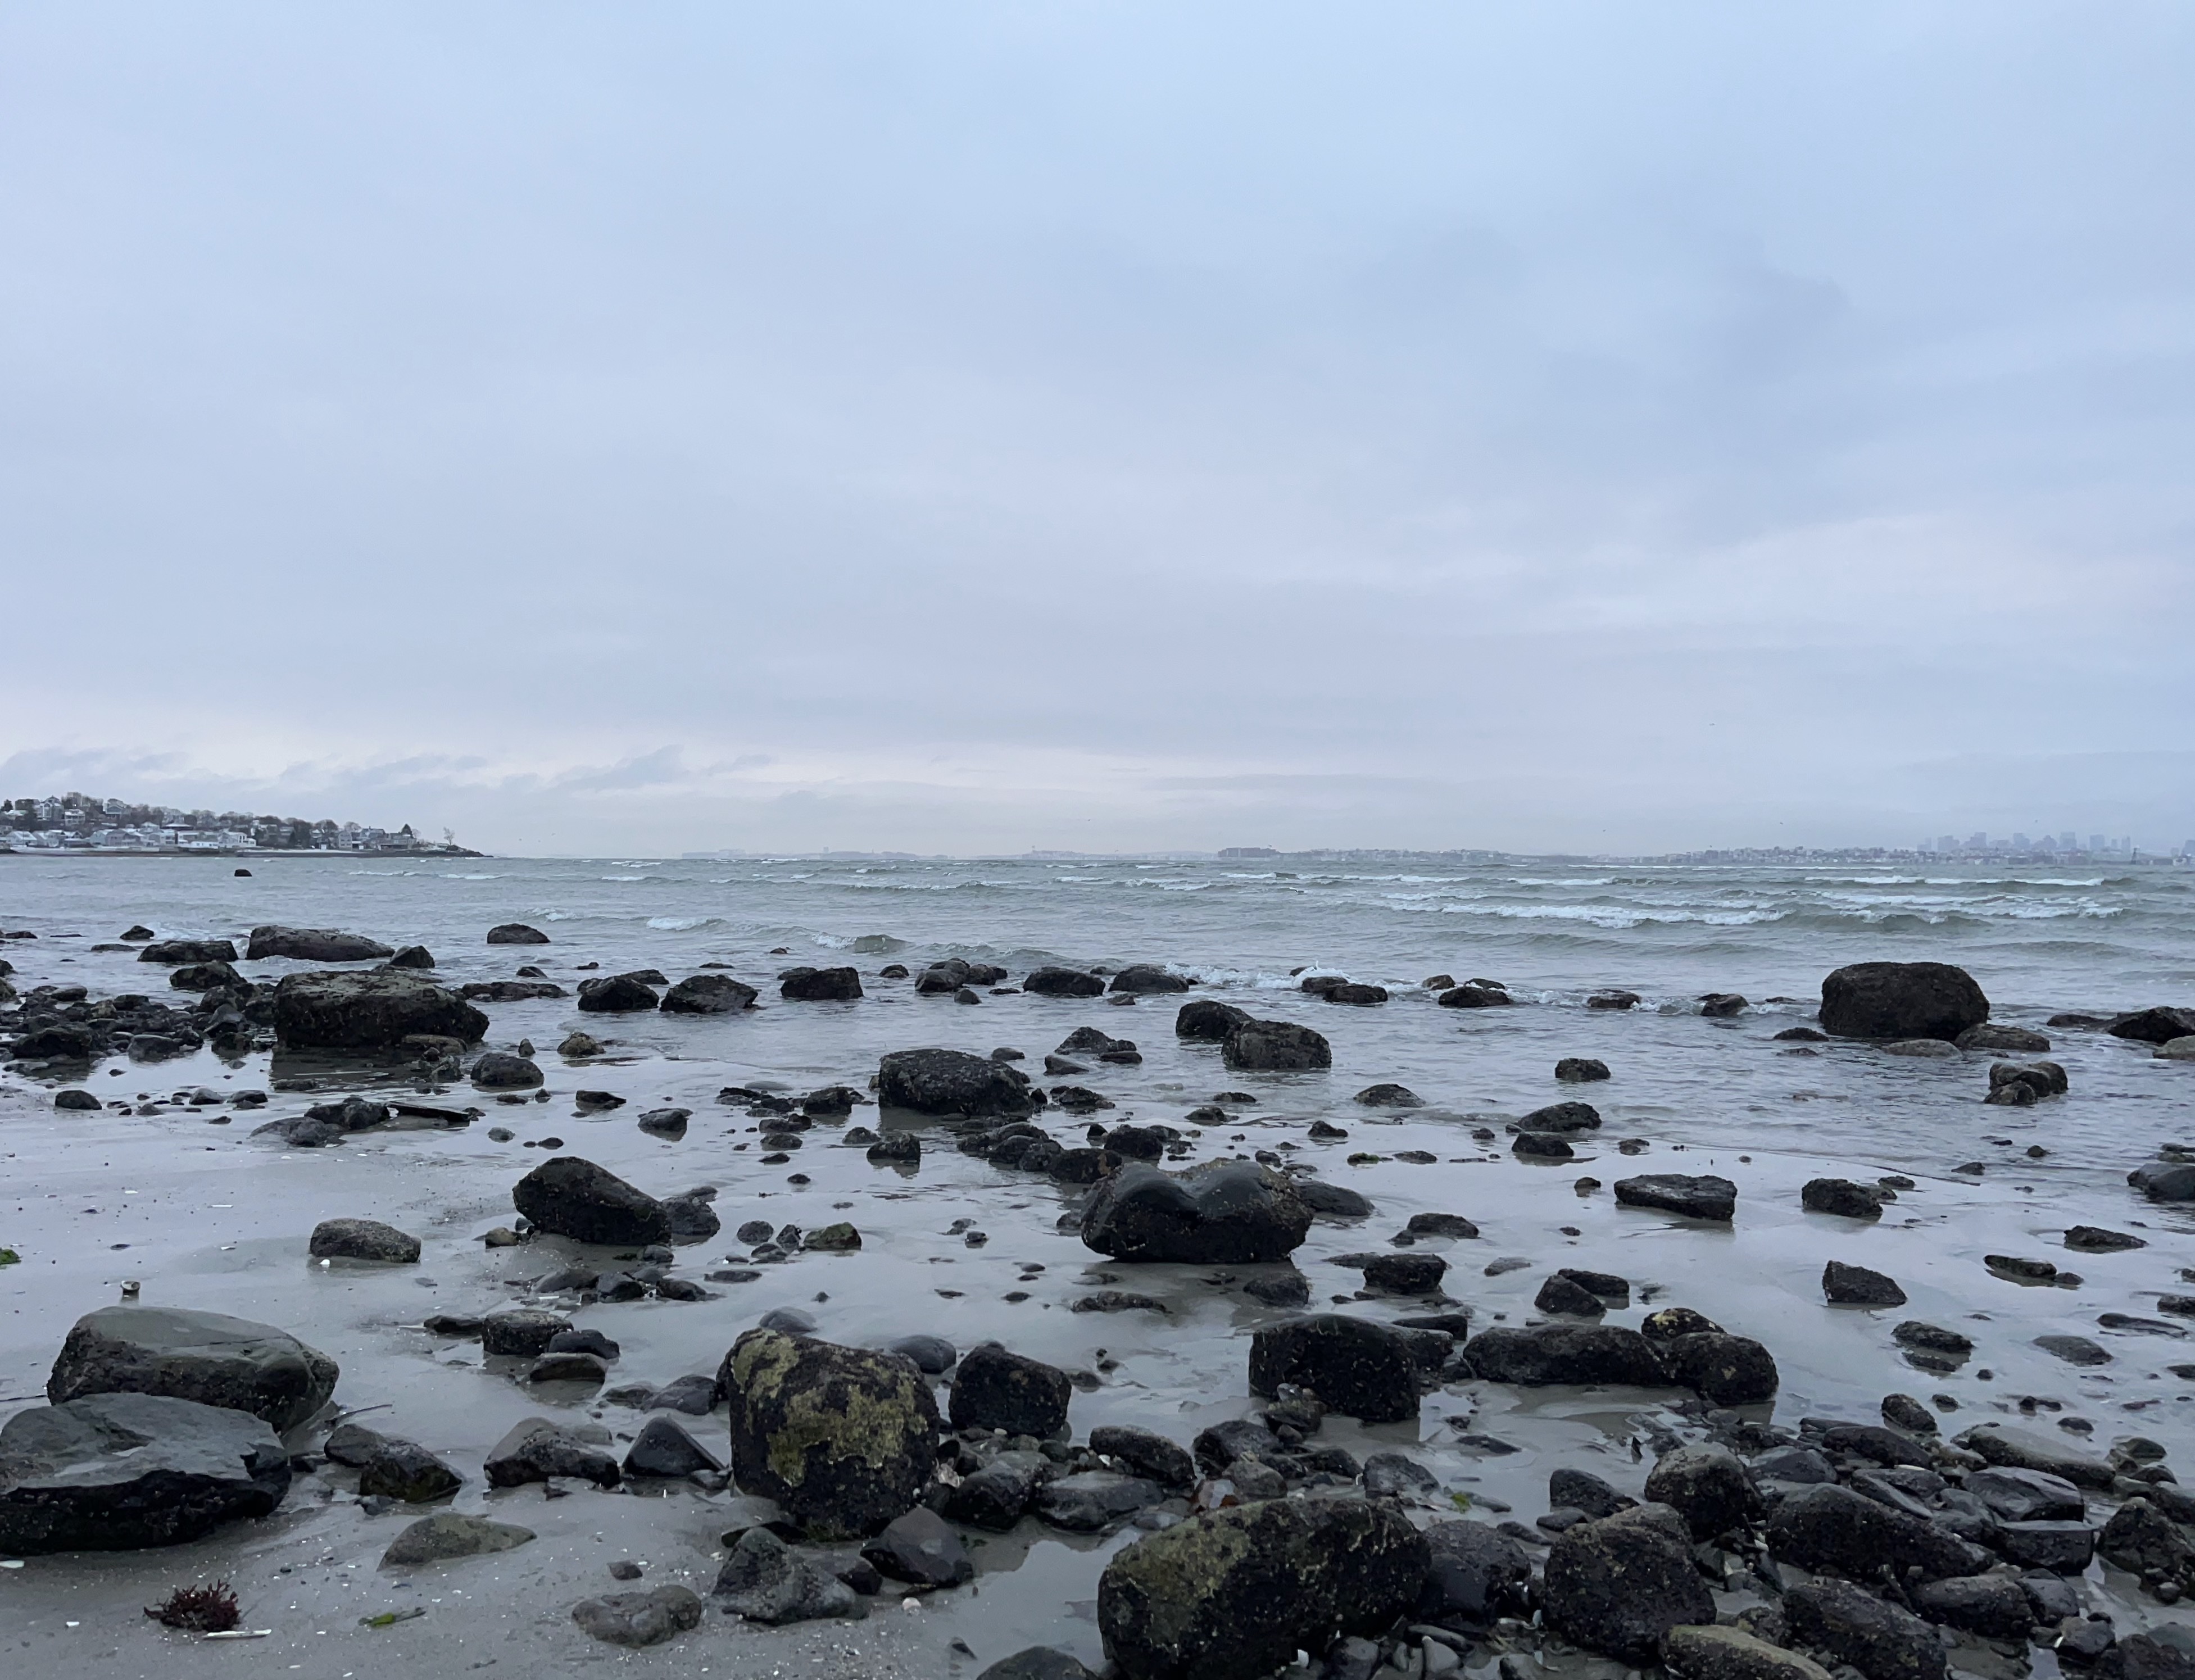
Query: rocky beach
[{"x": 1166, "y": 1270}]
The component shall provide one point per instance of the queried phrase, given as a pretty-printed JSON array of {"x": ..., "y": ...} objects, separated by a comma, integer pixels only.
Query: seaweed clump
[{"x": 210, "y": 1608}]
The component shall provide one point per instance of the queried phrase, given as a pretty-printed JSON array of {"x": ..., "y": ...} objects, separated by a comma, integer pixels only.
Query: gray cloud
[{"x": 982, "y": 427}]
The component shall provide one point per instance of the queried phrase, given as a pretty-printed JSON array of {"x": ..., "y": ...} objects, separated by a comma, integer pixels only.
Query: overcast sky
[{"x": 1107, "y": 426}]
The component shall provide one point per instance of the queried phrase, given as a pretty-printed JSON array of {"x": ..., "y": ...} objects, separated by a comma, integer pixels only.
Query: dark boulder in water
[
  {"x": 1549, "y": 1355},
  {"x": 571, "y": 1197},
  {"x": 1208, "y": 1020},
  {"x": 820, "y": 985},
  {"x": 617, "y": 994},
  {"x": 1842, "y": 1196},
  {"x": 116, "y": 1472},
  {"x": 1357, "y": 1366},
  {"x": 708, "y": 994},
  {"x": 1991, "y": 1035},
  {"x": 1829, "y": 1527},
  {"x": 204, "y": 977},
  {"x": 174, "y": 952},
  {"x": 1901, "y": 1000},
  {"x": 1579, "y": 1070},
  {"x": 412, "y": 957},
  {"x": 2154, "y": 1027},
  {"x": 496, "y": 1071},
  {"x": 313, "y": 945},
  {"x": 1721, "y": 1005},
  {"x": 517, "y": 933},
  {"x": 1562, "y": 1117},
  {"x": 1695, "y": 1196},
  {"x": 1056, "y": 982},
  {"x": 344, "y": 1009},
  {"x": 1146, "y": 978},
  {"x": 1848, "y": 1286},
  {"x": 1235, "y": 1594},
  {"x": 1474, "y": 997},
  {"x": 1276, "y": 1046},
  {"x": 1223, "y": 1213},
  {"x": 953, "y": 1082}
]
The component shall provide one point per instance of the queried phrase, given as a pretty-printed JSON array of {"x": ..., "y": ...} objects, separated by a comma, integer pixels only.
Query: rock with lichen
[{"x": 843, "y": 1438}]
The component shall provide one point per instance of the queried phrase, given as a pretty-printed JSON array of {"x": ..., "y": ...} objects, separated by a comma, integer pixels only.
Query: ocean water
[{"x": 202, "y": 1215}]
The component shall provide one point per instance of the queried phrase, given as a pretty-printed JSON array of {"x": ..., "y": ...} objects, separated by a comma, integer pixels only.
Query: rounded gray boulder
[{"x": 207, "y": 1357}]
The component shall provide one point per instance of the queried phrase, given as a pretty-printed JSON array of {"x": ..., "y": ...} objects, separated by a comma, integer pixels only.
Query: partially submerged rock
[
  {"x": 574, "y": 1198},
  {"x": 1901, "y": 1000},
  {"x": 362, "y": 1240},
  {"x": 953, "y": 1082},
  {"x": 1356, "y": 1367},
  {"x": 1222, "y": 1212},
  {"x": 1542, "y": 1356},
  {"x": 369, "y": 1009},
  {"x": 1274, "y": 1046},
  {"x": 313, "y": 945},
  {"x": 1694, "y": 1195}
]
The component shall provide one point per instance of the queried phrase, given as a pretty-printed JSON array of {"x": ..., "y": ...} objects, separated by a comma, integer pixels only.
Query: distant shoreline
[{"x": 218, "y": 852}]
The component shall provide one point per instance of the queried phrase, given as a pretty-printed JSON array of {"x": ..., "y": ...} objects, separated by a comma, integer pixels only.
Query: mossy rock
[
  {"x": 1235, "y": 1594},
  {"x": 843, "y": 1438}
]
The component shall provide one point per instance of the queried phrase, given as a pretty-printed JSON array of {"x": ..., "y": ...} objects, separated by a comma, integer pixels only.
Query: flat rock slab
[
  {"x": 207, "y": 1357},
  {"x": 348, "y": 1009},
  {"x": 1695, "y": 1196},
  {"x": 115, "y": 1472},
  {"x": 636, "y": 1619},
  {"x": 439, "y": 1538}
]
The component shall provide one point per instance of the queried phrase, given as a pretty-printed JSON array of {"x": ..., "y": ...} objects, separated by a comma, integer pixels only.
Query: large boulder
[
  {"x": 708, "y": 994},
  {"x": 1357, "y": 1366},
  {"x": 994, "y": 1389},
  {"x": 1275, "y": 1047},
  {"x": 1220, "y": 1213},
  {"x": 1058, "y": 983},
  {"x": 1546, "y": 1355},
  {"x": 617, "y": 994},
  {"x": 1827, "y": 1526},
  {"x": 953, "y": 1082},
  {"x": 362, "y": 1240},
  {"x": 571, "y": 1197},
  {"x": 1725, "y": 1370},
  {"x": 114, "y": 1472},
  {"x": 2154, "y": 1027},
  {"x": 820, "y": 985},
  {"x": 207, "y": 1357},
  {"x": 765, "y": 1581},
  {"x": 1144, "y": 978},
  {"x": 313, "y": 945},
  {"x": 348, "y": 1009},
  {"x": 174, "y": 951},
  {"x": 1706, "y": 1485},
  {"x": 516, "y": 933},
  {"x": 536, "y": 1449},
  {"x": 1694, "y": 1195},
  {"x": 1476, "y": 1574},
  {"x": 1209, "y": 1020},
  {"x": 843, "y": 1438},
  {"x": 1901, "y": 1000},
  {"x": 1618, "y": 1585},
  {"x": 1235, "y": 1594},
  {"x": 1851, "y": 1626}
]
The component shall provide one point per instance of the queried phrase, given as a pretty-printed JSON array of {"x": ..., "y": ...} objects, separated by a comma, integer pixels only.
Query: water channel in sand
[{"x": 203, "y": 1216}]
